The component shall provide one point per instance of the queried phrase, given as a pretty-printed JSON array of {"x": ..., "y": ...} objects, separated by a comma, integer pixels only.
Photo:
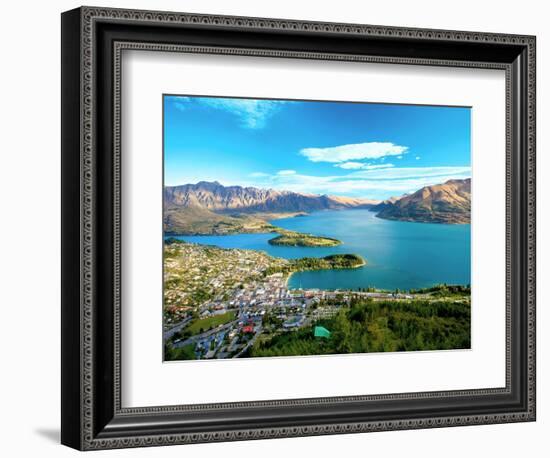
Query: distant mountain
[
  {"x": 387, "y": 203},
  {"x": 201, "y": 221},
  {"x": 237, "y": 199},
  {"x": 448, "y": 203},
  {"x": 211, "y": 208}
]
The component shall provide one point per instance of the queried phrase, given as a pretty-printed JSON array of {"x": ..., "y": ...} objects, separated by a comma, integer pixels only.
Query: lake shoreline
[
  {"x": 363, "y": 264},
  {"x": 401, "y": 255}
]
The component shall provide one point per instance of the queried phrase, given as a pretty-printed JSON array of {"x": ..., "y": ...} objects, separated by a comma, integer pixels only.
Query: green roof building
[{"x": 320, "y": 331}]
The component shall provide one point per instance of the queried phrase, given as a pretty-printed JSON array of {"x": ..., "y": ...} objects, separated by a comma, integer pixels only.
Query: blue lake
[{"x": 399, "y": 254}]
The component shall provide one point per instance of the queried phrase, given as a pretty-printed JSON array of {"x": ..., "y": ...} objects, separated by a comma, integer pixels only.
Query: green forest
[
  {"x": 333, "y": 261},
  {"x": 379, "y": 326},
  {"x": 290, "y": 238}
]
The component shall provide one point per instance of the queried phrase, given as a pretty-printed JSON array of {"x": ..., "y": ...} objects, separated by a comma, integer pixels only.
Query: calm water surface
[{"x": 399, "y": 254}]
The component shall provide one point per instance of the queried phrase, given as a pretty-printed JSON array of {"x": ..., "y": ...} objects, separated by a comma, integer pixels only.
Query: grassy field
[{"x": 205, "y": 324}]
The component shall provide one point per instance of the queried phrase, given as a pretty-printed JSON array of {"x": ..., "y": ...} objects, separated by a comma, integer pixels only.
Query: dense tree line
[
  {"x": 172, "y": 353},
  {"x": 444, "y": 290},
  {"x": 372, "y": 326},
  {"x": 299, "y": 239},
  {"x": 335, "y": 261}
]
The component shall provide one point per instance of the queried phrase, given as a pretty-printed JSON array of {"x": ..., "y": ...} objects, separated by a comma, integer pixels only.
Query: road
[
  {"x": 206, "y": 334},
  {"x": 249, "y": 344},
  {"x": 176, "y": 328}
]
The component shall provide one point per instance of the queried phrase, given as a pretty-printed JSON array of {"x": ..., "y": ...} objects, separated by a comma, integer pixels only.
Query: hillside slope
[
  {"x": 218, "y": 198},
  {"x": 211, "y": 208},
  {"x": 448, "y": 203}
]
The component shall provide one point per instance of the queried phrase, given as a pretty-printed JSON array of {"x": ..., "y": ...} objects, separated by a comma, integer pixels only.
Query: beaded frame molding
[{"x": 93, "y": 40}]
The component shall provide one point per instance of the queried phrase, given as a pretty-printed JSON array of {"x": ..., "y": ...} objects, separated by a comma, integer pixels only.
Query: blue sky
[{"x": 339, "y": 148}]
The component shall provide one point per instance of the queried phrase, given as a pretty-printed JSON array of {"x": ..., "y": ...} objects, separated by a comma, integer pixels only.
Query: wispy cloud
[
  {"x": 399, "y": 173},
  {"x": 376, "y": 183},
  {"x": 362, "y": 166},
  {"x": 283, "y": 173},
  {"x": 353, "y": 152},
  {"x": 180, "y": 102},
  {"x": 251, "y": 113},
  {"x": 350, "y": 165}
]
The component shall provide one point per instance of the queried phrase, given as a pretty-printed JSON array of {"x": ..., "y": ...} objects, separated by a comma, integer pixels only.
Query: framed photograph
[{"x": 277, "y": 228}]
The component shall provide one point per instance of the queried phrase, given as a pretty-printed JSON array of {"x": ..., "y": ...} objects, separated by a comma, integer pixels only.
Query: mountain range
[
  {"x": 448, "y": 203},
  {"x": 229, "y": 199},
  {"x": 211, "y": 208}
]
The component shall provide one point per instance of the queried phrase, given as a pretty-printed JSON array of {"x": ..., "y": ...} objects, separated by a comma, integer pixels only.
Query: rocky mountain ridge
[{"x": 448, "y": 203}]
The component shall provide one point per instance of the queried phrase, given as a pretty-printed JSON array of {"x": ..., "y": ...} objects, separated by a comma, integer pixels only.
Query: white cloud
[
  {"x": 180, "y": 102},
  {"x": 350, "y": 165},
  {"x": 378, "y": 166},
  {"x": 362, "y": 166},
  {"x": 398, "y": 173},
  {"x": 377, "y": 183},
  {"x": 286, "y": 172},
  {"x": 354, "y": 151},
  {"x": 252, "y": 113},
  {"x": 417, "y": 158}
]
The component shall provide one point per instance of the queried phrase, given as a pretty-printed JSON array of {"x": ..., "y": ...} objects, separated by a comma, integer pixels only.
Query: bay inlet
[{"x": 399, "y": 254}]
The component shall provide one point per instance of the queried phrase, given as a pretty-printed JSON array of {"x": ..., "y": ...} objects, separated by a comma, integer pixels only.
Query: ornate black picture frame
[{"x": 92, "y": 42}]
